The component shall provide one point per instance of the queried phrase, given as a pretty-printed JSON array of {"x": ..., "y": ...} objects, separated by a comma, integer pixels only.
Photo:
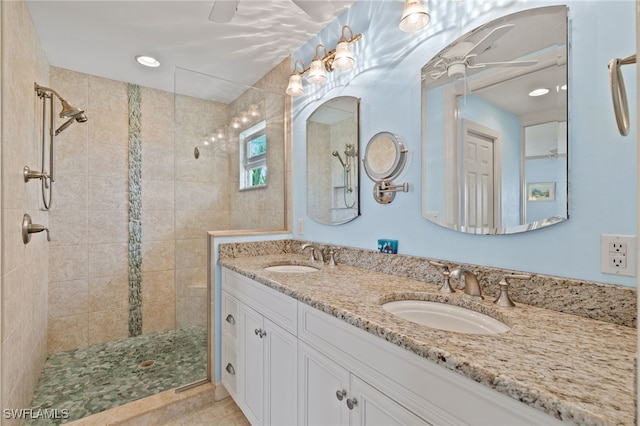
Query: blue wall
[{"x": 387, "y": 78}]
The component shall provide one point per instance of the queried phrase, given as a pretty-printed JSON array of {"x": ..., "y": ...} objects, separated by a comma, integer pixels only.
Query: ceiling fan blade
[
  {"x": 489, "y": 39},
  {"x": 318, "y": 10},
  {"x": 222, "y": 11},
  {"x": 503, "y": 64}
]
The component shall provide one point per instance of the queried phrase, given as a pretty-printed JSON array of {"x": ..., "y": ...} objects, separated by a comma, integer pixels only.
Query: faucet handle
[
  {"x": 332, "y": 255},
  {"x": 312, "y": 252},
  {"x": 503, "y": 298},
  {"x": 445, "y": 287}
]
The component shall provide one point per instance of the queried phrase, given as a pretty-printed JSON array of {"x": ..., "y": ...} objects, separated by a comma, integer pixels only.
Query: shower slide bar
[
  {"x": 619, "y": 93},
  {"x": 69, "y": 112}
]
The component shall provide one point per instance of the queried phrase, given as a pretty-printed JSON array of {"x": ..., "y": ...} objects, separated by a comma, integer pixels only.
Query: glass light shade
[
  {"x": 317, "y": 74},
  {"x": 254, "y": 110},
  {"x": 414, "y": 16},
  {"x": 235, "y": 122},
  {"x": 220, "y": 133},
  {"x": 343, "y": 59},
  {"x": 295, "y": 85}
]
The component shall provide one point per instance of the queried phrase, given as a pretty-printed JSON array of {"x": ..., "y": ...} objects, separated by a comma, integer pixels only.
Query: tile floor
[{"x": 93, "y": 379}]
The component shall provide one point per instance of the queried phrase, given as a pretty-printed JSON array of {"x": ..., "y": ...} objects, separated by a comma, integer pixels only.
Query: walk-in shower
[{"x": 132, "y": 315}]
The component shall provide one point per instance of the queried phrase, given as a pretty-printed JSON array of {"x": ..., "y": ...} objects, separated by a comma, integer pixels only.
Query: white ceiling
[{"x": 102, "y": 38}]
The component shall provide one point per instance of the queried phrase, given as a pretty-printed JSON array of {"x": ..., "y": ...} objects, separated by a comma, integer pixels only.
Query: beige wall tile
[
  {"x": 158, "y": 316},
  {"x": 108, "y": 160},
  {"x": 68, "y": 298},
  {"x": 158, "y": 256},
  {"x": 68, "y": 227},
  {"x": 157, "y": 225},
  {"x": 158, "y": 287},
  {"x": 157, "y": 195},
  {"x": 105, "y": 326},
  {"x": 68, "y": 263},
  {"x": 108, "y": 259},
  {"x": 108, "y": 193},
  {"x": 108, "y": 226},
  {"x": 191, "y": 253},
  {"x": 110, "y": 291},
  {"x": 67, "y": 333}
]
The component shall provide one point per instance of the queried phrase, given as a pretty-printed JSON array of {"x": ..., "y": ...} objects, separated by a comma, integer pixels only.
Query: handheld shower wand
[{"x": 337, "y": 154}]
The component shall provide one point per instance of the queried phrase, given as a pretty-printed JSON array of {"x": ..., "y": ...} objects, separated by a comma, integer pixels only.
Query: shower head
[
  {"x": 81, "y": 117},
  {"x": 350, "y": 151},
  {"x": 69, "y": 111}
]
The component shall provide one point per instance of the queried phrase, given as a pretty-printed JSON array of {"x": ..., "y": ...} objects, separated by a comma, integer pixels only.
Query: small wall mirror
[
  {"x": 384, "y": 160},
  {"x": 384, "y": 157},
  {"x": 494, "y": 114},
  {"x": 333, "y": 178}
]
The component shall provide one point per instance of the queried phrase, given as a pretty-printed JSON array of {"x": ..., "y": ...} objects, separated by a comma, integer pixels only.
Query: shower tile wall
[
  {"x": 88, "y": 276},
  {"x": 88, "y": 291},
  {"x": 266, "y": 208},
  {"x": 24, "y": 267}
]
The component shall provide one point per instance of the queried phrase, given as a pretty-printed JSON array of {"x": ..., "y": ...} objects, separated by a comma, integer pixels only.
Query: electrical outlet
[{"x": 618, "y": 254}]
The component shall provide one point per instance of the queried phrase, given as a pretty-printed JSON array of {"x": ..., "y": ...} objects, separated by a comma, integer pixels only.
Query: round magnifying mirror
[{"x": 384, "y": 157}]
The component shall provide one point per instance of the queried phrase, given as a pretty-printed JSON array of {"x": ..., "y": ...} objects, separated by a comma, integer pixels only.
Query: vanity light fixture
[
  {"x": 339, "y": 58},
  {"x": 414, "y": 16},
  {"x": 147, "y": 61}
]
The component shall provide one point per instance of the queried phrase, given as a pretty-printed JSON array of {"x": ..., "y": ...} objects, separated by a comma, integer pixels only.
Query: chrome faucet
[
  {"x": 471, "y": 284},
  {"x": 445, "y": 287},
  {"x": 315, "y": 254}
]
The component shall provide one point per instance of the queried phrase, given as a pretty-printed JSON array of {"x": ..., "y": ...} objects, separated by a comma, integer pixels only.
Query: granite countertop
[{"x": 576, "y": 369}]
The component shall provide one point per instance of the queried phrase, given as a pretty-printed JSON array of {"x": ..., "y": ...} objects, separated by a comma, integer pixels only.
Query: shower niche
[{"x": 333, "y": 174}]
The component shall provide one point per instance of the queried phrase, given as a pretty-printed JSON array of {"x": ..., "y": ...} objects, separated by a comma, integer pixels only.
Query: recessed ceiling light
[
  {"x": 147, "y": 61},
  {"x": 538, "y": 92}
]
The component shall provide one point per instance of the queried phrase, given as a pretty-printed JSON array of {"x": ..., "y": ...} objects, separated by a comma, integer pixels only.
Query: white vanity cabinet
[
  {"x": 294, "y": 364},
  {"x": 266, "y": 355},
  {"x": 330, "y": 395}
]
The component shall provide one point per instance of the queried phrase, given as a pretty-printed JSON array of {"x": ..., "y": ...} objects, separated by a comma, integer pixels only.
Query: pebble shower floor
[{"x": 90, "y": 380}]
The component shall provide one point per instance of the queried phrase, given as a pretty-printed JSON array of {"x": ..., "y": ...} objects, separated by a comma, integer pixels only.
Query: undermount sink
[
  {"x": 445, "y": 317},
  {"x": 296, "y": 269}
]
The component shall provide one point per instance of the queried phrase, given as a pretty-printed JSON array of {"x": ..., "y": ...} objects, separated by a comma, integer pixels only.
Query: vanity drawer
[
  {"x": 230, "y": 317},
  {"x": 230, "y": 367},
  {"x": 278, "y": 307}
]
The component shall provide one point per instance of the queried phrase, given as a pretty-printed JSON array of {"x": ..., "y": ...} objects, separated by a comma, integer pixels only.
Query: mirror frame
[{"x": 452, "y": 130}]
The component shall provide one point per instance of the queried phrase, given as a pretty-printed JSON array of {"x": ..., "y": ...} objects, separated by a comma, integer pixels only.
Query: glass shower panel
[{"x": 229, "y": 174}]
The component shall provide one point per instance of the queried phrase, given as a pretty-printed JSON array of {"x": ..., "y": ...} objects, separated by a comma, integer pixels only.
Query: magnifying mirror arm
[{"x": 384, "y": 191}]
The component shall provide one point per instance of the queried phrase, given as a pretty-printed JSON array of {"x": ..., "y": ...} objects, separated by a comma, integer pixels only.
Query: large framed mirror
[
  {"x": 333, "y": 172},
  {"x": 494, "y": 117}
]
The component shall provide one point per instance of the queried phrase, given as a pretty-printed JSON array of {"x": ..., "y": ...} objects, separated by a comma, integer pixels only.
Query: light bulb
[
  {"x": 295, "y": 85},
  {"x": 414, "y": 16},
  {"x": 343, "y": 59},
  {"x": 316, "y": 72}
]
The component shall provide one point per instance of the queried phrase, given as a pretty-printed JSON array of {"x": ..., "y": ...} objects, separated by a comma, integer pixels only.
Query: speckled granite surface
[{"x": 570, "y": 366}]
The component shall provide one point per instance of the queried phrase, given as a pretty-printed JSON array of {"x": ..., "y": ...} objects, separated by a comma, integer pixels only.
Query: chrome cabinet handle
[
  {"x": 230, "y": 319},
  {"x": 352, "y": 402},
  {"x": 230, "y": 369},
  {"x": 260, "y": 332},
  {"x": 340, "y": 394}
]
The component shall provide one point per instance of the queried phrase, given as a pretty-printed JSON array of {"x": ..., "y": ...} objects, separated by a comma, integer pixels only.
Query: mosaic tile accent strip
[
  {"x": 96, "y": 378},
  {"x": 135, "y": 211}
]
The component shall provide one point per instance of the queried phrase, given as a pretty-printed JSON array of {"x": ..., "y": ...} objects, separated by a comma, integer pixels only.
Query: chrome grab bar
[{"x": 619, "y": 93}]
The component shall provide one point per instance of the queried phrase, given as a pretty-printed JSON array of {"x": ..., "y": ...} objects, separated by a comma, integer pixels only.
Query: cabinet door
[
  {"x": 372, "y": 407},
  {"x": 252, "y": 361},
  {"x": 281, "y": 358},
  {"x": 322, "y": 389}
]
